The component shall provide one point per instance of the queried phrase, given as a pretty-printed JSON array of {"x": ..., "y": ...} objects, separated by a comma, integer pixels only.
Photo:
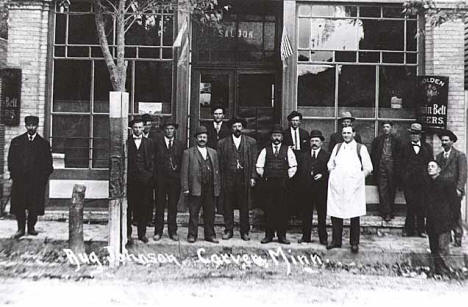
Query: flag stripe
[
  {"x": 180, "y": 34},
  {"x": 286, "y": 49}
]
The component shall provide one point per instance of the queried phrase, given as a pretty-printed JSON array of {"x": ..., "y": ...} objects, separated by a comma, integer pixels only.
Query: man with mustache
[
  {"x": 315, "y": 176},
  {"x": 453, "y": 168},
  {"x": 276, "y": 164},
  {"x": 200, "y": 181},
  {"x": 237, "y": 156}
]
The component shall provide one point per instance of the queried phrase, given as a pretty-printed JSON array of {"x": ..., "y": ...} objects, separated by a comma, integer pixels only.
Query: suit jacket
[
  {"x": 190, "y": 176},
  {"x": 161, "y": 160},
  {"x": 454, "y": 169},
  {"x": 214, "y": 137},
  {"x": 377, "y": 151},
  {"x": 146, "y": 175},
  {"x": 317, "y": 166},
  {"x": 336, "y": 138},
  {"x": 441, "y": 203},
  {"x": 303, "y": 139},
  {"x": 411, "y": 174},
  {"x": 38, "y": 175},
  {"x": 249, "y": 153}
]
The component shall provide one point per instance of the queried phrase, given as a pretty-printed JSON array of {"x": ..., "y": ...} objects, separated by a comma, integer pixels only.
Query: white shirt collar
[
  {"x": 315, "y": 150},
  {"x": 166, "y": 139},
  {"x": 203, "y": 151},
  {"x": 33, "y": 136}
]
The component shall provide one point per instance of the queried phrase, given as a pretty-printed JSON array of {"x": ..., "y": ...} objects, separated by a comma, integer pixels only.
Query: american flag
[{"x": 286, "y": 49}]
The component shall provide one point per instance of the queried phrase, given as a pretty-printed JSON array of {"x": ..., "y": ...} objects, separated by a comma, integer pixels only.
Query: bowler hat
[
  {"x": 234, "y": 120},
  {"x": 347, "y": 115},
  {"x": 146, "y": 117},
  {"x": 450, "y": 134},
  {"x": 31, "y": 120},
  {"x": 170, "y": 122},
  {"x": 277, "y": 129},
  {"x": 200, "y": 130},
  {"x": 415, "y": 128},
  {"x": 294, "y": 114},
  {"x": 317, "y": 134},
  {"x": 136, "y": 119}
]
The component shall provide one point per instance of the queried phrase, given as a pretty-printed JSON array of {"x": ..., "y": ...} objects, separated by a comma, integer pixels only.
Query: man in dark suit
[
  {"x": 453, "y": 169},
  {"x": 298, "y": 140},
  {"x": 30, "y": 165},
  {"x": 167, "y": 162},
  {"x": 414, "y": 157},
  {"x": 315, "y": 175},
  {"x": 441, "y": 201},
  {"x": 139, "y": 179},
  {"x": 218, "y": 129},
  {"x": 346, "y": 120},
  {"x": 384, "y": 154},
  {"x": 237, "y": 156},
  {"x": 200, "y": 180}
]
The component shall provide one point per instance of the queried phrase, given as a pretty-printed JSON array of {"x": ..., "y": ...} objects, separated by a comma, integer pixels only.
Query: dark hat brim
[
  {"x": 237, "y": 120},
  {"x": 448, "y": 133},
  {"x": 170, "y": 124},
  {"x": 321, "y": 137}
]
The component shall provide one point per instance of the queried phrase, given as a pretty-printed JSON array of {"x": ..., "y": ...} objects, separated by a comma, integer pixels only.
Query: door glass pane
[
  {"x": 256, "y": 90},
  {"x": 100, "y": 141},
  {"x": 334, "y": 34},
  {"x": 316, "y": 88},
  {"x": 153, "y": 86},
  {"x": 102, "y": 87},
  {"x": 366, "y": 129},
  {"x": 71, "y": 138},
  {"x": 72, "y": 86},
  {"x": 356, "y": 90},
  {"x": 327, "y": 126},
  {"x": 214, "y": 90}
]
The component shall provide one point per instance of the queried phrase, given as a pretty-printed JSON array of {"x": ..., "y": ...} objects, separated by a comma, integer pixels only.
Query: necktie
[
  {"x": 276, "y": 151},
  {"x": 315, "y": 154},
  {"x": 446, "y": 154},
  {"x": 30, "y": 138},
  {"x": 170, "y": 144},
  {"x": 217, "y": 127}
]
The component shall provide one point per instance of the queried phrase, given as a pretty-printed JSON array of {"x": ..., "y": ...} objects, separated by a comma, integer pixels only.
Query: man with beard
[
  {"x": 167, "y": 161},
  {"x": 139, "y": 180},
  {"x": 349, "y": 165},
  {"x": 414, "y": 157},
  {"x": 298, "y": 139},
  {"x": 200, "y": 181},
  {"x": 276, "y": 163},
  {"x": 346, "y": 120},
  {"x": 218, "y": 130},
  {"x": 315, "y": 176},
  {"x": 30, "y": 165},
  {"x": 237, "y": 156},
  {"x": 453, "y": 169}
]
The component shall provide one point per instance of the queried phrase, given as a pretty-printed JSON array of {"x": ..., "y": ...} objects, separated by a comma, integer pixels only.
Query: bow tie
[
  {"x": 137, "y": 137},
  {"x": 416, "y": 144}
]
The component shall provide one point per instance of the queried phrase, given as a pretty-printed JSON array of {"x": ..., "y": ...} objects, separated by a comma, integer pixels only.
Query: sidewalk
[{"x": 387, "y": 249}]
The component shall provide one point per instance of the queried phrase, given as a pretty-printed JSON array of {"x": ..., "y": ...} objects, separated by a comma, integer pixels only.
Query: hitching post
[{"x": 75, "y": 216}]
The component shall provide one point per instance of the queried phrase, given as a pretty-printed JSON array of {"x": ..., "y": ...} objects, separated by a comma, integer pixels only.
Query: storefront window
[{"x": 81, "y": 81}]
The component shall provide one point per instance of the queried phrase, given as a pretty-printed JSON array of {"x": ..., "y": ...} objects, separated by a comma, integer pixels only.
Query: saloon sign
[
  {"x": 10, "y": 97},
  {"x": 432, "y": 99}
]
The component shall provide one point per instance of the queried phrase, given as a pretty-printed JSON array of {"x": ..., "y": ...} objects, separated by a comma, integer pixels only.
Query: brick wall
[{"x": 27, "y": 50}]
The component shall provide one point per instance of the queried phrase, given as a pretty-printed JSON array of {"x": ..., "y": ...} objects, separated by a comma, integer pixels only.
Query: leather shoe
[
  {"x": 333, "y": 245},
  {"x": 32, "y": 232},
  {"x": 266, "y": 240},
  {"x": 227, "y": 235},
  {"x": 174, "y": 237},
  {"x": 18, "y": 234},
  {"x": 422, "y": 235},
  {"x": 157, "y": 237},
  {"x": 245, "y": 237},
  {"x": 212, "y": 240},
  {"x": 324, "y": 242},
  {"x": 387, "y": 218},
  {"x": 303, "y": 240},
  {"x": 191, "y": 239},
  {"x": 354, "y": 249},
  {"x": 283, "y": 240},
  {"x": 143, "y": 239}
]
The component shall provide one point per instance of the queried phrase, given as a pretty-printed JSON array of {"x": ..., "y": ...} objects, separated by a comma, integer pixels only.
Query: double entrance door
[{"x": 248, "y": 94}]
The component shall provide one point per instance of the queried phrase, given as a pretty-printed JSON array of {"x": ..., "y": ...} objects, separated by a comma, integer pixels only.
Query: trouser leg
[
  {"x": 355, "y": 231},
  {"x": 307, "y": 214},
  {"x": 410, "y": 211},
  {"x": 321, "y": 205},
  {"x": 228, "y": 212},
  {"x": 337, "y": 232},
  {"x": 208, "y": 203},
  {"x": 270, "y": 210},
  {"x": 172, "y": 200},
  {"x": 161, "y": 199},
  {"x": 32, "y": 220},
  {"x": 282, "y": 216},
  {"x": 194, "y": 211},
  {"x": 243, "y": 202},
  {"x": 21, "y": 220},
  {"x": 386, "y": 187}
]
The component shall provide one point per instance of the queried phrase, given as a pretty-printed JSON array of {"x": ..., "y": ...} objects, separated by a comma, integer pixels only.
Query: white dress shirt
[
  {"x": 203, "y": 152},
  {"x": 416, "y": 148},
  {"x": 447, "y": 153},
  {"x": 292, "y": 163},
  {"x": 32, "y": 137},
  {"x": 217, "y": 126},
  {"x": 167, "y": 141},
  {"x": 296, "y": 139},
  {"x": 137, "y": 140},
  {"x": 314, "y": 151},
  {"x": 237, "y": 140}
]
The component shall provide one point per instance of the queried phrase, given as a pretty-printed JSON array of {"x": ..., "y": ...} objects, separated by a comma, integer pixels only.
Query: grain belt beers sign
[
  {"x": 10, "y": 98},
  {"x": 432, "y": 98}
]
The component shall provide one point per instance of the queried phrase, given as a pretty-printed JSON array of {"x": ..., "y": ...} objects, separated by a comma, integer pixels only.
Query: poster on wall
[
  {"x": 10, "y": 98},
  {"x": 432, "y": 96}
]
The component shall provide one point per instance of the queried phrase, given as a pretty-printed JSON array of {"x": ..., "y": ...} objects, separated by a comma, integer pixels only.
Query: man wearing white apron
[{"x": 349, "y": 165}]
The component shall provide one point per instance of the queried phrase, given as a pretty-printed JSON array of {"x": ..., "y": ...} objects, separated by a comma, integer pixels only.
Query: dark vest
[
  {"x": 206, "y": 168},
  {"x": 234, "y": 156},
  {"x": 276, "y": 166},
  {"x": 169, "y": 162},
  {"x": 136, "y": 163}
]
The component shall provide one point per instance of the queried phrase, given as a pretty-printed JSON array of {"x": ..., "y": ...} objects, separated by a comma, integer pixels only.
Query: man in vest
[
  {"x": 276, "y": 164},
  {"x": 139, "y": 179},
  {"x": 200, "y": 181},
  {"x": 349, "y": 165},
  {"x": 237, "y": 156},
  {"x": 167, "y": 162},
  {"x": 453, "y": 169}
]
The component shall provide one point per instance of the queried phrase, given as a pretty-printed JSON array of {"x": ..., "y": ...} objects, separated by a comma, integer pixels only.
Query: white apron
[{"x": 346, "y": 185}]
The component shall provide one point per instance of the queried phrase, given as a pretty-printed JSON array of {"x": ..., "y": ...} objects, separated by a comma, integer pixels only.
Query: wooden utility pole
[{"x": 75, "y": 222}]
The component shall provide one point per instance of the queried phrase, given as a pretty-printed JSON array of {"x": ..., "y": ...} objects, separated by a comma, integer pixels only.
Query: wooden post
[
  {"x": 118, "y": 121},
  {"x": 75, "y": 223}
]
